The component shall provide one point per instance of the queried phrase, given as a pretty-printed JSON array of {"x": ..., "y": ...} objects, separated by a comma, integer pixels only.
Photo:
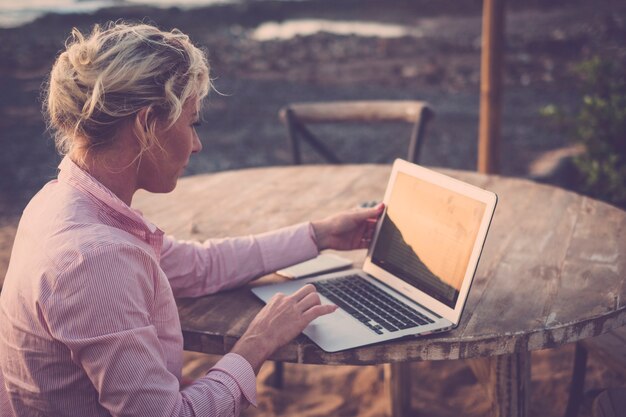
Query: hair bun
[{"x": 101, "y": 80}]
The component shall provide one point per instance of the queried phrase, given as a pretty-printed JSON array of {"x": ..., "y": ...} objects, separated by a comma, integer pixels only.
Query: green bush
[{"x": 600, "y": 126}]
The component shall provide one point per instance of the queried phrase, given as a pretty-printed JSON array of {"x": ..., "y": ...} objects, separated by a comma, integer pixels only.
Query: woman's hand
[
  {"x": 347, "y": 230},
  {"x": 284, "y": 317},
  {"x": 279, "y": 322}
]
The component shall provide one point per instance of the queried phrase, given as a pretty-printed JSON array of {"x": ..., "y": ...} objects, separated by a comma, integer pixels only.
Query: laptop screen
[{"x": 427, "y": 236}]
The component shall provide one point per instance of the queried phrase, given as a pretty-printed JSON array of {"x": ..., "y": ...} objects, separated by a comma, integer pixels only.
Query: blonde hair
[{"x": 105, "y": 79}]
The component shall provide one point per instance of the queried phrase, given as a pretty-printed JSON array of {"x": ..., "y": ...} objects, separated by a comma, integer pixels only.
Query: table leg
[
  {"x": 276, "y": 379},
  {"x": 507, "y": 381},
  {"x": 398, "y": 388}
]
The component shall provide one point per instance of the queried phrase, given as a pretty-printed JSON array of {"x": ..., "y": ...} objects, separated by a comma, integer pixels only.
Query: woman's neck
[{"x": 114, "y": 170}]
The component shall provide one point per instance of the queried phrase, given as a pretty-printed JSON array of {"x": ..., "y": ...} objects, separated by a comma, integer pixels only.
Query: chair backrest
[{"x": 296, "y": 115}]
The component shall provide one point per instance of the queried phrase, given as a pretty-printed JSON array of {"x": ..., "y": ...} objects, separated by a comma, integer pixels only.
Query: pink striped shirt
[{"x": 88, "y": 322}]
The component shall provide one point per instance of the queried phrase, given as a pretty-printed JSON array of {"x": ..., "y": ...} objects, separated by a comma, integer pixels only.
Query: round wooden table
[{"x": 552, "y": 269}]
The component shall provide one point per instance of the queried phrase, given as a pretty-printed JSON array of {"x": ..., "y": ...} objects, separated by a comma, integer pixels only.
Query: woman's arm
[
  {"x": 196, "y": 269},
  {"x": 114, "y": 313}
]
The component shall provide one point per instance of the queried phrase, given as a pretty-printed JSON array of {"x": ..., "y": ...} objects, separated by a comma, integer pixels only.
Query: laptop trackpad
[{"x": 338, "y": 331}]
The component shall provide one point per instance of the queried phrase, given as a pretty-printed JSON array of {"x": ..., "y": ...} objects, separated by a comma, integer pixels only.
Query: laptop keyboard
[{"x": 370, "y": 305}]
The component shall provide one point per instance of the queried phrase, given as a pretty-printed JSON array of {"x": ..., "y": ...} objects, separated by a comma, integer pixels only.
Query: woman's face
[{"x": 160, "y": 168}]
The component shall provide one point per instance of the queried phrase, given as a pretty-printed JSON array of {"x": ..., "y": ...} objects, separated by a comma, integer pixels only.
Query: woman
[{"x": 88, "y": 322}]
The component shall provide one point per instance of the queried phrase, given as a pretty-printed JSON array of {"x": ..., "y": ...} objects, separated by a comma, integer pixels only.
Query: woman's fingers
[
  {"x": 318, "y": 311},
  {"x": 343, "y": 231},
  {"x": 308, "y": 302},
  {"x": 368, "y": 232},
  {"x": 311, "y": 300},
  {"x": 372, "y": 212},
  {"x": 303, "y": 292}
]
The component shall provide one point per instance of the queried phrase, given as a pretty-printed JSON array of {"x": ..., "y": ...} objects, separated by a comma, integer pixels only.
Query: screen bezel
[{"x": 487, "y": 197}]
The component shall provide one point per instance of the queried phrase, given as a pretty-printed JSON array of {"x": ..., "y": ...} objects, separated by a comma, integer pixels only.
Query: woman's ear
[{"x": 142, "y": 128}]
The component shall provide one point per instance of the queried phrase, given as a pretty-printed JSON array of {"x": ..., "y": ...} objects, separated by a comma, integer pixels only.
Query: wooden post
[
  {"x": 506, "y": 379},
  {"x": 398, "y": 388},
  {"x": 491, "y": 86}
]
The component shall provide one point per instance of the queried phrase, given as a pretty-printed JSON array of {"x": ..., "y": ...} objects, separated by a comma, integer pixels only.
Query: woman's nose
[{"x": 197, "y": 145}]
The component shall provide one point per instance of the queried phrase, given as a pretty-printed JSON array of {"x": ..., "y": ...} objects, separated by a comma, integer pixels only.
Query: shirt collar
[{"x": 73, "y": 175}]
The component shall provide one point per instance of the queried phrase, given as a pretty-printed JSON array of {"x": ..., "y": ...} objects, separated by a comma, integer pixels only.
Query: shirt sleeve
[
  {"x": 101, "y": 310},
  {"x": 5, "y": 404},
  {"x": 196, "y": 269}
]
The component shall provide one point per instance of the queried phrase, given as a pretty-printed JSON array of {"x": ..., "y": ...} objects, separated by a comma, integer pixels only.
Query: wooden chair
[
  {"x": 297, "y": 115},
  {"x": 612, "y": 348}
]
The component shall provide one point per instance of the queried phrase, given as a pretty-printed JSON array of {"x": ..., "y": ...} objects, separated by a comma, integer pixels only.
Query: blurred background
[
  {"x": 563, "y": 102},
  {"x": 265, "y": 54}
]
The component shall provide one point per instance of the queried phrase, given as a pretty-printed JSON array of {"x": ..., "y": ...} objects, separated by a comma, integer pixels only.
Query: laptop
[{"x": 418, "y": 269}]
